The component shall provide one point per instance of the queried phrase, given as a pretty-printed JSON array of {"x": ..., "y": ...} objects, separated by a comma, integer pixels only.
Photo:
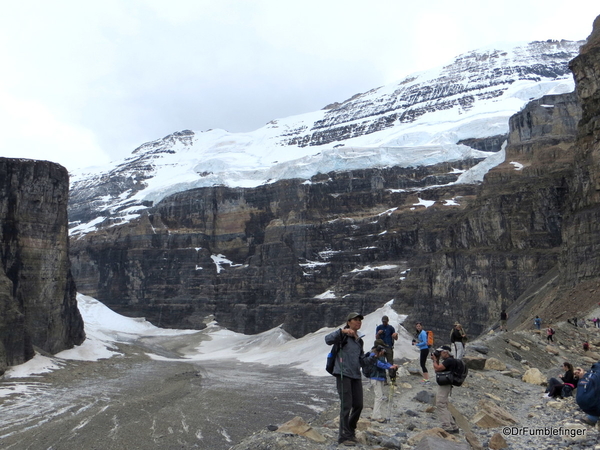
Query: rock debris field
[{"x": 495, "y": 408}]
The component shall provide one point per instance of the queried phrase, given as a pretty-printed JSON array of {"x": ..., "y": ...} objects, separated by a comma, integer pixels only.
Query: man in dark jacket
[
  {"x": 348, "y": 362},
  {"x": 444, "y": 362},
  {"x": 458, "y": 338}
]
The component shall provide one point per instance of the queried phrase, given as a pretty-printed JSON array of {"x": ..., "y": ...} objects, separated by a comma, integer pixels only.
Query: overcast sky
[{"x": 86, "y": 82}]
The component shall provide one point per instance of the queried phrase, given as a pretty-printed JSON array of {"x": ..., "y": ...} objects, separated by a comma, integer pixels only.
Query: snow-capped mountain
[{"x": 423, "y": 119}]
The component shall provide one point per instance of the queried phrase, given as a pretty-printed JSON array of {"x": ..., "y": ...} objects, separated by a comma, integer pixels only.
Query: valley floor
[{"x": 134, "y": 402}]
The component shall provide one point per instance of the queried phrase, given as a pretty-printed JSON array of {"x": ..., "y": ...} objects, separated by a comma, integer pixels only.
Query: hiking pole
[{"x": 390, "y": 402}]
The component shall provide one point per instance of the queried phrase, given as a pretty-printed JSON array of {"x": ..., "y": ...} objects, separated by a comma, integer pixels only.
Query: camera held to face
[{"x": 437, "y": 354}]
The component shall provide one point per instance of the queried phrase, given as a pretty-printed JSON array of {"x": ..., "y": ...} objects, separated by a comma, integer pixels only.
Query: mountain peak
[{"x": 422, "y": 119}]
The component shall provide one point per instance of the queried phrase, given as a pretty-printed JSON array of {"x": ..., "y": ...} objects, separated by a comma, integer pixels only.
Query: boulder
[
  {"x": 474, "y": 362},
  {"x": 435, "y": 435},
  {"x": 514, "y": 343},
  {"x": 298, "y": 426},
  {"x": 513, "y": 355},
  {"x": 425, "y": 397},
  {"x": 553, "y": 350},
  {"x": 534, "y": 376},
  {"x": 479, "y": 348},
  {"x": 494, "y": 364},
  {"x": 490, "y": 415},
  {"x": 498, "y": 442}
]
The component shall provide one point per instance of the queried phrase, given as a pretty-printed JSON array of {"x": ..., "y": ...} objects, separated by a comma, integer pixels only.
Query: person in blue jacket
[
  {"x": 388, "y": 335},
  {"x": 378, "y": 378},
  {"x": 348, "y": 362},
  {"x": 421, "y": 343}
]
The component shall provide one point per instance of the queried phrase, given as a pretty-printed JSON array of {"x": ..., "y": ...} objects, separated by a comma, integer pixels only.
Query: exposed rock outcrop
[
  {"x": 37, "y": 291},
  {"x": 257, "y": 258}
]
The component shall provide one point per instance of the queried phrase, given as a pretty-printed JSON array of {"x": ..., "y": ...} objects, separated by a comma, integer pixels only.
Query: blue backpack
[{"x": 588, "y": 391}]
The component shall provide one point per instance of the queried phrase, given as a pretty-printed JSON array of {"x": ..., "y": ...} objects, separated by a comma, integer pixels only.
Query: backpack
[
  {"x": 335, "y": 348},
  {"x": 459, "y": 375},
  {"x": 430, "y": 339},
  {"x": 588, "y": 391},
  {"x": 369, "y": 370},
  {"x": 552, "y": 331}
]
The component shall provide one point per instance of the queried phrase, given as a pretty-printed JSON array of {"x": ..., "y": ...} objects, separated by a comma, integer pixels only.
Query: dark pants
[
  {"x": 351, "y": 398},
  {"x": 424, "y": 356},
  {"x": 554, "y": 388},
  {"x": 389, "y": 357}
]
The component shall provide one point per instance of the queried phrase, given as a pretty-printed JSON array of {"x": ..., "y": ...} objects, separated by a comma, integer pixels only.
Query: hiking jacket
[
  {"x": 349, "y": 359},
  {"x": 422, "y": 340},
  {"x": 381, "y": 365},
  {"x": 456, "y": 336}
]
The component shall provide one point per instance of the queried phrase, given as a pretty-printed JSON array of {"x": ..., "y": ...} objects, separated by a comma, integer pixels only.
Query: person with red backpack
[
  {"x": 550, "y": 333},
  {"x": 422, "y": 344}
]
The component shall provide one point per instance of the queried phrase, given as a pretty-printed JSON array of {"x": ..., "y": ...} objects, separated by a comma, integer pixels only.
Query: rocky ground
[
  {"x": 495, "y": 408},
  {"x": 133, "y": 402}
]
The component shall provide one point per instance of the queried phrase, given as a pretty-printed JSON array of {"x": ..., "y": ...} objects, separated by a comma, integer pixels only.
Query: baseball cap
[{"x": 354, "y": 315}]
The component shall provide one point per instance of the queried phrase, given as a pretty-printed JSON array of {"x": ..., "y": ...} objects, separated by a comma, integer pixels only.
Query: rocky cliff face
[
  {"x": 302, "y": 253},
  {"x": 258, "y": 258},
  {"x": 510, "y": 237},
  {"x": 37, "y": 291}
]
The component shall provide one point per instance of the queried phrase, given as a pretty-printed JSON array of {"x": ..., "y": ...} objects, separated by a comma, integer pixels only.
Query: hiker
[
  {"x": 378, "y": 378},
  {"x": 537, "y": 322},
  {"x": 388, "y": 335},
  {"x": 563, "y": 387},
  {"x": 586, "y": 346},
  {"x": 550, "y": 333},
  {"x": 348, "y": 376},
  {"x": 589, "y": 419},
  {"x": 458, "y": 337},
  {"x": 575, "y": 321},
  {"x": 421, "y": 344},
  {"x": 445, "y": 362},
  {"x": 503, "y": 319}
]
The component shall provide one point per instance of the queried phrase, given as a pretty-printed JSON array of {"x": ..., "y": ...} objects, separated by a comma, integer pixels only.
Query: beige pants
[
  {"x": 441, "y": 408},
  {"x": 378, "y": 399}
]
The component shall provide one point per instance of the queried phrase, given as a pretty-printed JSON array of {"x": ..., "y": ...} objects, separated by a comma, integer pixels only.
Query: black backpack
[
  {"x": 335, "y": 348},
  {"x": 459, "y": 375},
  {"x": 369, "y": 368}
]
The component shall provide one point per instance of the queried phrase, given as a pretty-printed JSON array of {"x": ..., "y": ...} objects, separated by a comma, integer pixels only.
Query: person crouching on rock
[
  {"x": 443, "y": 361},
  {"x": 347, "y": 373},
  {"x": 378, "y": 378}
]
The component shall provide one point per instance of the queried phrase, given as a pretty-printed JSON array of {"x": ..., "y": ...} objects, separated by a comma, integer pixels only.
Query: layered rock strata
[
  {"x": 37, "y": 291},
  {"x": 303, "y": 253}
]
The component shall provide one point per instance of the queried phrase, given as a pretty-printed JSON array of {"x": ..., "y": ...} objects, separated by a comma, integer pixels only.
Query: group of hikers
[{"x": 348, "y": 363}]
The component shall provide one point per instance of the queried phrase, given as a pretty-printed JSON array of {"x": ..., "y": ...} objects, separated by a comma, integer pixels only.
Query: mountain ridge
[{"x": 382, "y": 127}]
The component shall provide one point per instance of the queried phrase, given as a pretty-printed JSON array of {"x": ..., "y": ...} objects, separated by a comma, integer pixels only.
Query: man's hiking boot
[{"x": 588, "y": 421}]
